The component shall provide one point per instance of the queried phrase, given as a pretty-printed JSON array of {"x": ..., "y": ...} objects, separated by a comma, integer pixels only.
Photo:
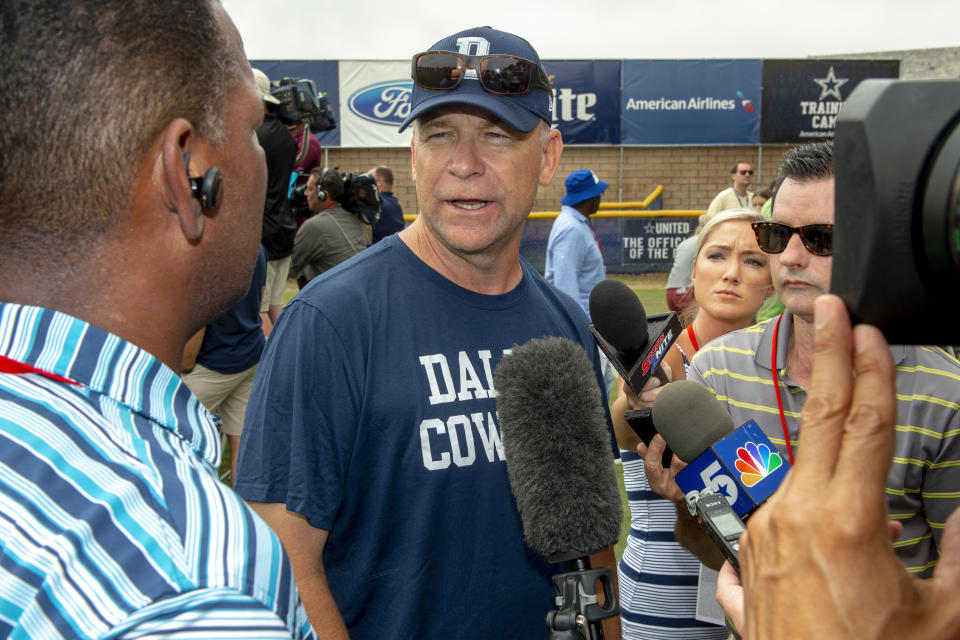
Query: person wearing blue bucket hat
[
  {"x": 372, "y": 442},
  {"x": 574, "y": 259},
  {"x": 574, "y": 256}
]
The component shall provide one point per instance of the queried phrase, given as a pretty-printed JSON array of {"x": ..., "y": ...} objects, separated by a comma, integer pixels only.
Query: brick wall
[{"x": 691, "y": 176}]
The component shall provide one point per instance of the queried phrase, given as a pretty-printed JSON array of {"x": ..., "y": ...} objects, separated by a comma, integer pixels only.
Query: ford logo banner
[{"x": 386, "y": 103}]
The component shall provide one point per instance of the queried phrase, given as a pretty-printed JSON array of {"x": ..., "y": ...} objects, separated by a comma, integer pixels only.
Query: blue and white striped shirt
[{"x": 113, "y": 523}]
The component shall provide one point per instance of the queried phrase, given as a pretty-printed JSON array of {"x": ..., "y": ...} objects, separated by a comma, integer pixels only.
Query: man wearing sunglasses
[
  {"x": 762, "y": 373},
  {"x": 738, "y": 196},
  {"x": 371, "y": 443}
]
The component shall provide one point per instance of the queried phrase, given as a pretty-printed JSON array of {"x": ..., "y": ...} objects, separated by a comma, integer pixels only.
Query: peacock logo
[{"x": 755, "y": 462}]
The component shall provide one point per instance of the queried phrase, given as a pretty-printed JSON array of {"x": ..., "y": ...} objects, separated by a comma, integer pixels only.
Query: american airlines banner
[
  {"x": 586, "y": 105},
  {"x": 801, "y": 98},
  {"x": 679, "y": 102}
]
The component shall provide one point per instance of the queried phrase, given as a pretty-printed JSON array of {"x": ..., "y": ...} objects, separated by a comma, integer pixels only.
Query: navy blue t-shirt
[
  {"x": 373, "y": 415},
  {"x": 233, "y": 342}
]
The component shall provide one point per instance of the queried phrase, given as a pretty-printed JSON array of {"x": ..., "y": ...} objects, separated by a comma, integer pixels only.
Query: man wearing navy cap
[{"x": 372, "y": 444}]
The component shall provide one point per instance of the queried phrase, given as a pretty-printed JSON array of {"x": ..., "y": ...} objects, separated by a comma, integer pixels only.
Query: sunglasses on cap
[
  {"x": 500, "y": 75},
  {"x": 773, "y": 237}
]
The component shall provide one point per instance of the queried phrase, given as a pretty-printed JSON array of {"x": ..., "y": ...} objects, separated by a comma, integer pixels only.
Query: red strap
[
  {"x": 693, "y": 338},
  {"x": 9, "y": 365},
  {"x": 776, "y": 387}
]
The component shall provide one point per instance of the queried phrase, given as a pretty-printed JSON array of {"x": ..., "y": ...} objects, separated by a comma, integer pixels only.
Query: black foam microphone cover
[
  {"x": 557, "y": 448},
  {"x": 690, "y": 418},
  {"x": 618, "y": 315}
]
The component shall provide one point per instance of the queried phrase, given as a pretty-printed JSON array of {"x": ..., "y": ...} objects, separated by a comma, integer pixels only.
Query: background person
[
  {"x": 114, "y": 523},
  {"x": 574, "y": 261},
  {"x": 331, "y": 236},
  {"x": 760, "y": 198},
  {"x": 391, "y": 214},
  {"x": 371, "y": 443},
  {"x": 658, "y": 578},
  {"x": 737, "y": 196},
  {"x": 220, "y": 360},
  {"x": 279, "y": 225}
]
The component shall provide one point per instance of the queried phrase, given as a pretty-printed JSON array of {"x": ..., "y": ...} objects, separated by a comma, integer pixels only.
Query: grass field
[{"x": 649, "y": 288}]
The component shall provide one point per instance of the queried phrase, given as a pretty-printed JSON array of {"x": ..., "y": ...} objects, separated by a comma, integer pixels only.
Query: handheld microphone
[
  {"x": 740, "y": 464},
  {"x": 634, "y": 343},
  {"x": 730, "y": 471},
  {"x": 560, "y": 466}
]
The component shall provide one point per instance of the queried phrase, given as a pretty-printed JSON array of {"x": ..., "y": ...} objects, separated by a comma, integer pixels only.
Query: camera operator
[
  {"x": 843, "y": 580},
  {"x": 332, "y": 235}
]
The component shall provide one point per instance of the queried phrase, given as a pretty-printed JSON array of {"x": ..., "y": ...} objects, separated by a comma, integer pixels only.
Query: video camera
[
  {"x": 360, "y": 195},
  {"x": 896, "y": 246},
  {"x": 301, "y": 104}
]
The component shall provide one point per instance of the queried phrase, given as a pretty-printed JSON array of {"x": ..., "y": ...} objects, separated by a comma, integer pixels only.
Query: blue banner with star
[{"x": 801, "y": 98}]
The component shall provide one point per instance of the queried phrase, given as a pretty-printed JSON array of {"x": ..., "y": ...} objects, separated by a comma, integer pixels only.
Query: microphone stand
[{"x": 578, "y": 613}]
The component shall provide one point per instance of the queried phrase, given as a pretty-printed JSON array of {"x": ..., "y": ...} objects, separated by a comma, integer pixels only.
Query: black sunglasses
[
  {"x": 746, "y": 172},
  {"x": 501, "y": 75},
  {"x": 774, "y": 237}
]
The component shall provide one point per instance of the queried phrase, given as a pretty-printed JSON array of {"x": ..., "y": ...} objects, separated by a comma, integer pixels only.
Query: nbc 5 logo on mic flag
[
  {"x": 755, "y": 462},
  {"x": 744, "y": 467}
]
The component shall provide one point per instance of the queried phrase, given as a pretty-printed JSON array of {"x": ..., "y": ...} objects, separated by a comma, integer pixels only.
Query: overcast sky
[{"x": 592, "y": 29}]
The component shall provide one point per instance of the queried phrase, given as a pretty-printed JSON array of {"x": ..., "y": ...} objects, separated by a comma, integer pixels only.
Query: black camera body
[
  {"x": 896, "y": 246},
  {"x": 301, "y": 104},
  {"x": 360, "y": 196}
]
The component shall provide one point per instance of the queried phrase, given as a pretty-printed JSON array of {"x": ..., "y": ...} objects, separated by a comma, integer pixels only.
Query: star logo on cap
[
  {"x": 649, "y": 229},
  {"x": 830, "y": 86}
]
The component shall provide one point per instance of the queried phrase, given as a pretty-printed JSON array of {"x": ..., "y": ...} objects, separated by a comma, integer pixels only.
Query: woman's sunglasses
[
  {"x": 774, "y": 237},
  {"x": 501, "y": 75}
]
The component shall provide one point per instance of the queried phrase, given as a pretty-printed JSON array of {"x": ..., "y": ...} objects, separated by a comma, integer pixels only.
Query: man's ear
[
  {"x": 550, "y": 157},
  {"x": 178, "y": 138},
  {"x": 413, "y": 159}
]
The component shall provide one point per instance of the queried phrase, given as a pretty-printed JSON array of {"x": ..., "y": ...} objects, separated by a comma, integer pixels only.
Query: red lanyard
[
  {"x": 9, "y": 365},
  {"x": 693, "y": 338},
  {"x": 776, "y": 386}
]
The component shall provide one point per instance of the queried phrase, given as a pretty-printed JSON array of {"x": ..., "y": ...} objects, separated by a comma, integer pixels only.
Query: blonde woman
[{"x": 658, "y": 578}]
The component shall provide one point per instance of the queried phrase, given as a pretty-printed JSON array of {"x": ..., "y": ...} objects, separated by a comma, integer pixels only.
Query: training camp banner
[
  {"x": 686, "y": 102},
  {"x": 801, "y": 98}
]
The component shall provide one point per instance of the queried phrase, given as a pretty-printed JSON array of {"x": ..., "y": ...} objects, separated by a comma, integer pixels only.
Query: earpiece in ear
[{"x": 207, "y": 188}]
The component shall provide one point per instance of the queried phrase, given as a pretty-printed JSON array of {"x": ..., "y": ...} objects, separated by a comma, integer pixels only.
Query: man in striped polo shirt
[
  {"x": 113, "y": 253},
  {"x": 740, "y": 368}
]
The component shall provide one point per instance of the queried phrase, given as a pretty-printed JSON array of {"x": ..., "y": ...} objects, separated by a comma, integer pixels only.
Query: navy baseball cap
[
  {"x": 520, "y": 112},
  {"x": 582, "y": 185}
]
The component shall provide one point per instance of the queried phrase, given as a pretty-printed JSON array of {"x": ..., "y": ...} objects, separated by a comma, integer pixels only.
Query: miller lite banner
[
  {"x": 678, "y": 102},
  {"x": 586, "y": 100},
  {"x": 801, "y": 98}
]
